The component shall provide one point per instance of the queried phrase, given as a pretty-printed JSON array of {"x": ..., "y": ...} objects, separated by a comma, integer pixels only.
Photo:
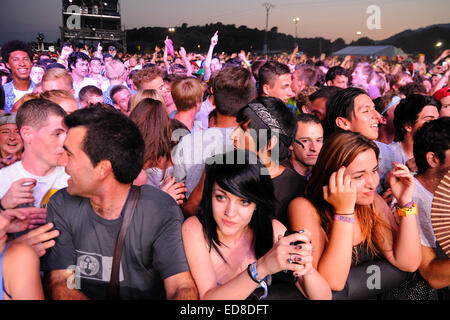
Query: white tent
[{"x": 372, "y": 51}]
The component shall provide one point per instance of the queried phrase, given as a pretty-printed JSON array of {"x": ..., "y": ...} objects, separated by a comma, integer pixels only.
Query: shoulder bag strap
[{"x": 114, "y": 288}]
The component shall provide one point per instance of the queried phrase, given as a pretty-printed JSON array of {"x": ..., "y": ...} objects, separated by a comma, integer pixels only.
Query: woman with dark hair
[
  {"x": 268, "y": 128},
  {"x": 350, "y": 223},
  {"x": 151, "y": 118},
  {"x": 234, "y": 246}
]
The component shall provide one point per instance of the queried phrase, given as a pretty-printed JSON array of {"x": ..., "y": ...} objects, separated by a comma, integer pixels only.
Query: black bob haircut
[
  {"x": 239, "y": 173},
  {"x": 110, "y": 136},
  {"x": 15, "y": 45}
]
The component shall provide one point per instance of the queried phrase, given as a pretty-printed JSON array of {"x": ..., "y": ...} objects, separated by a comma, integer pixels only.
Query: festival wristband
[
  {"x": 254, "y": 276},
  {"x": 343, "y": 218},
  {"x": 406, "y": 211}
]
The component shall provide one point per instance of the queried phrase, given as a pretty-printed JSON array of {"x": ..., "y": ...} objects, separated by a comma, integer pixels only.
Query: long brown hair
[
  {"x": 341, "y": 149},
  {"x": 154, "y": 124}
]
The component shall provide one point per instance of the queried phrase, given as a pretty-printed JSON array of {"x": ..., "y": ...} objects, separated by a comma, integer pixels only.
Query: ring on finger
[{"x": 290, "y": 260}]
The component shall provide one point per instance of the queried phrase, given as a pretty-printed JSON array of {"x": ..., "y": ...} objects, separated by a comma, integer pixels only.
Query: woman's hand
[
  {"x": 340, "y": 192},
  {"x": 284, "y": 255},
  {"x": 402, "y": 183}
]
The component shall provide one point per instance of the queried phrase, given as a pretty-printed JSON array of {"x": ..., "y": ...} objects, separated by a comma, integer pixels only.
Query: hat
[
  {"x": 442, "y": 93},
  {"x": 7, "y": 118},
  {"x": 200, "y": 72},
  {"x": 112, "y": 48}
]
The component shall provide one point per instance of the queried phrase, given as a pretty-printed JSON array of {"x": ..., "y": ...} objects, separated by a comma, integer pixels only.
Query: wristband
[
  {"x": 408, "y": 205},
  {"x": 1, "y": 207},
  {"x": 342, "y": 218},
  {"x": 344, "y": 214},
  {"x": 251, "y": 269},
  {"x": 405, "y": 211}
]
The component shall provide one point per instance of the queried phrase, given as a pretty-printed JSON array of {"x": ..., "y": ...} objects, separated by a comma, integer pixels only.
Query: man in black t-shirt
[{"x": 104, "y": 154}]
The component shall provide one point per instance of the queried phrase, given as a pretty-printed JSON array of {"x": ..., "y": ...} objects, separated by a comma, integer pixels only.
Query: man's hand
[
  {"x": 99, "y": 47},
  {"x": 40, "y": 239},
  {"x": 20, "y": 192},
  {"x": 215, "y": 39},
  {"x": 66, "y": 51},
  {"x": 182, "y": 53},
  {"x": 22, "y": 219}
]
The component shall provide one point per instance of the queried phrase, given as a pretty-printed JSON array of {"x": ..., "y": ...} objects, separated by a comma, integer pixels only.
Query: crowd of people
[{"x": 176, "y": 175}]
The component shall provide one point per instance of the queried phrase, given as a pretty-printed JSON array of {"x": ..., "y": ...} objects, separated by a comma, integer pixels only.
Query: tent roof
[{"x": 370, "y": 51}]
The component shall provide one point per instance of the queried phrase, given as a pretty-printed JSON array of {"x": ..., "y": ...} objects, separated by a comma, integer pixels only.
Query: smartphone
[{"x": 288, "y": 233}]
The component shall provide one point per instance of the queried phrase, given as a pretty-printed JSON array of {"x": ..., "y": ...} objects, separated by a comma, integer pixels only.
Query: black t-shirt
[
  {"x": 153, "y": 248},
  {"x": 287, "y": 186}
]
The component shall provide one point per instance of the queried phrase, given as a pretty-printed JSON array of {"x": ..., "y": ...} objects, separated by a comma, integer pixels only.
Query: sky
[{"x": 330, "y": 19}]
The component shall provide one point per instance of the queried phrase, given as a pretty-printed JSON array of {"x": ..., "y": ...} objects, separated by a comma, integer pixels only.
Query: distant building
[{"x": 93, "y": 21}]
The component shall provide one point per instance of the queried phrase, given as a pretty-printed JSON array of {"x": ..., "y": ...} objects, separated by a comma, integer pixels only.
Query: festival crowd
[{"x": 177, "y": 175}]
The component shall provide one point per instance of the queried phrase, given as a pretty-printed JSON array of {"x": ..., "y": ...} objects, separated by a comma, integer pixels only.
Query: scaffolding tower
[{"x": 93, "y": 21}]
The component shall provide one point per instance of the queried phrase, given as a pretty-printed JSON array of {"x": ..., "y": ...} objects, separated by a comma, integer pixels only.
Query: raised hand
[
  {"x": 20, "y": 192},
  {"x": 182, "y": 53},
  {"x": 402, "y": 183},
  {"x": 215, "y": 39},
  {"x": 340, "y": 192},
  {"x": 66, "y": 51},
  {"x": 242, "y": 55}
]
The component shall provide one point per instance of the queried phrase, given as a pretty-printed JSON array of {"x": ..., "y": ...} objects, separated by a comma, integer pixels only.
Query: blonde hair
[
  {"x": 60, "y": 75},
  {"x": 145, "y": 94},
  {"x": 187, "y": 93},
  {"x": 114, "y": 70},
  {"x": 57, "y": 96}
]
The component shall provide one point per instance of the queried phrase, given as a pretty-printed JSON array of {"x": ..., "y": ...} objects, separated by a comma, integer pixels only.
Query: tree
[{"x": 274, "y": 29}]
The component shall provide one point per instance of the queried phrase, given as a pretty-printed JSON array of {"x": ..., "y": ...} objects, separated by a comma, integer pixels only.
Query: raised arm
[
  {"x": 186, "y": 61},
  {"x": 214, "y": 41},
  {"x": 403, "y": 249},
  {"x": 166, "y": 61},
  {"x": 332, "y": 258}
]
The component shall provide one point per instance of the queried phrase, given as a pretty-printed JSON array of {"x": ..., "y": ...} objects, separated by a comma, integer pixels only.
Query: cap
[
  {"x": 442, "y": 93},
  {"x": 7, "y": 118},
  {"x": 112, "y": 48}
]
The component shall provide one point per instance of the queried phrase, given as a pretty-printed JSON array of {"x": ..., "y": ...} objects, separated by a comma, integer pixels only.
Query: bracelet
[
  {"x": 251, "y": 269},
  {"x": 405, "y": 211},
  {"x": 408, "y": 205},
  {"x": 339, "y": 217},
  {"x": 345, "y": 214},
  {"x": 251, "y": 273}
]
